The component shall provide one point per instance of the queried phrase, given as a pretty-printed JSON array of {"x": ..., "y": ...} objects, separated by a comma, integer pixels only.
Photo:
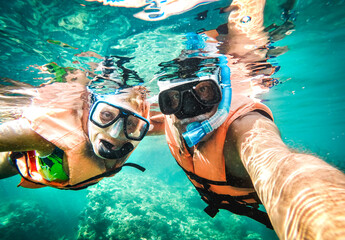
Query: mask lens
[
  {"x": 169, "y": 101},
  {"x": 135, "y": 127},
  {"x": 207, "y": 92},
  {"x": 104, "y": 114}
]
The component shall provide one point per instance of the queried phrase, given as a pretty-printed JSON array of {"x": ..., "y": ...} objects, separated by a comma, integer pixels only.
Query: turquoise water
[{"x": 161, "y": 203}]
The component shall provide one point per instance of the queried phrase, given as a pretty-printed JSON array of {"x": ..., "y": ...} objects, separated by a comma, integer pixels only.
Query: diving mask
[
  {"x": 196, "y": 97},
  {"x": 104, "y": 114}
]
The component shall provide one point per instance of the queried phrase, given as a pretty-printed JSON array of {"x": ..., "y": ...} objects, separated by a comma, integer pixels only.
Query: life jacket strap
[
  {"x": 202, "y": 180},
  {"x": 105, "y": 174},
  {"x": 234, "y": 204},
  {"x": 137, "y": 166},
  {"x": 28, "y": 155}
]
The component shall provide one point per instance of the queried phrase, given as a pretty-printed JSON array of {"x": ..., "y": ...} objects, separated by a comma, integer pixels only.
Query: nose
[{"x": 116, "y": 129}]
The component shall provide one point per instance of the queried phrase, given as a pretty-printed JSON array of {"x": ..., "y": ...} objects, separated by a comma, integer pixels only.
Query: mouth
[
  {"x": 199, "y": 118},
  {"x": 107, "y": 145},
  {"x": 110, "y": 151}
]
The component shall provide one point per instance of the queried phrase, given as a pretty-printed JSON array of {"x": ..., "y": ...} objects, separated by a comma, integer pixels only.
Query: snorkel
[{"x": 196, "y": 131}]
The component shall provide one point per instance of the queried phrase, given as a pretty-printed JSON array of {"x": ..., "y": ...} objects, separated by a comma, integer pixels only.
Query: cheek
[
  {"x": 92, "y": 132},
  {"x": 172, "y": 120}
]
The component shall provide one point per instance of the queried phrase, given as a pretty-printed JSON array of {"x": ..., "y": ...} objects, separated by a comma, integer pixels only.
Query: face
[
  {"x": 111, "y": 142},
  {"x": 181, "y": 124},
  {"x": 190, "y": 99},
  {"x": 191, "y": 102}
]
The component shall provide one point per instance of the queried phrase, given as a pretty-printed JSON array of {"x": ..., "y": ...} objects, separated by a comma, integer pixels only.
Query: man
[{"x": 232, "y": 151}]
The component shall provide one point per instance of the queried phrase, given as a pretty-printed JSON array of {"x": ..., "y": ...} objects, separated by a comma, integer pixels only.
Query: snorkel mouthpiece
[
  {"x": 110, "y": 154},
  {"x": 196, "y": 131}
]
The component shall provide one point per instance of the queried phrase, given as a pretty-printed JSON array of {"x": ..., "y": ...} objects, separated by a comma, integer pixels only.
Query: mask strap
[{"x": 137, "y": 166}]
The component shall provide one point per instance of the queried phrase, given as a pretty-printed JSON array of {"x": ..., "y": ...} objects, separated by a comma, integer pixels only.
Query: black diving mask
[{"x": 190, "y": 99}]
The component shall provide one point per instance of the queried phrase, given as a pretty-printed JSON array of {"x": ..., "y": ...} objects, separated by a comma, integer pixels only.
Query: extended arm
[
  {"x": 245, "y": 30},
  {"x": 17, "y": 136},
  {"x": 303, "y": 195}
]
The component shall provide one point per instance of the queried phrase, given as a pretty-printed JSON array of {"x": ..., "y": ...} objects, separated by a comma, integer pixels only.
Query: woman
[{"x": 72, "y": 136}]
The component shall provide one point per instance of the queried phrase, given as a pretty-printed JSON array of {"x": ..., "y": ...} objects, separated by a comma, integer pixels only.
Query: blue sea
[{"x": 161, "y": 203}]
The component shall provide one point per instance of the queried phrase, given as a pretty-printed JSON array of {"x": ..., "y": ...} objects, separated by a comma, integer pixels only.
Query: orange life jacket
[
  {"x": 26, "y": 165},
  {"x": 62, "y": 122},
  {"x": 206, "y": 167}
]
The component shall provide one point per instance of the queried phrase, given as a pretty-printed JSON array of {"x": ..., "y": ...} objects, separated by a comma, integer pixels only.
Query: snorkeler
[
  {"x": 232, "y": 152},
  {"x": 72, "y": 135}
]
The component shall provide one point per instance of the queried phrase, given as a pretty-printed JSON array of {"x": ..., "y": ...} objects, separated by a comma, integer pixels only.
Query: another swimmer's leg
[{"x": 6, "y": 168}]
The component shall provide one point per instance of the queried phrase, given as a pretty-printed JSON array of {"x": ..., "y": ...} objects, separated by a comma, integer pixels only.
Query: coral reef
[
  {"x": 25, "y": 220},
  {"x": 137, "y": 206}
]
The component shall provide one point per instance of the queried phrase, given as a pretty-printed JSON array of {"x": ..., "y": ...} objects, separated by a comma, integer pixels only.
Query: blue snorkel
[{"x": 196, "y": 131}]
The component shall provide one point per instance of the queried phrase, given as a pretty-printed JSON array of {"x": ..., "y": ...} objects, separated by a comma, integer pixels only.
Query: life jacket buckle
[{"x": 211, "y": 211}]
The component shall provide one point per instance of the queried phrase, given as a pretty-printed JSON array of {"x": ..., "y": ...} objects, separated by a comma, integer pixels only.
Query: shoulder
[
  {"x": 19, "y": 126},
  {"x": 236, "y": 135},
  {"x": 18, "y": 136},
  {"x": 257, "y": 119},
  {"x": 243, "y": 107},
  {"x": 61, "y": 95},
  {"x": 254, "y": 123}
]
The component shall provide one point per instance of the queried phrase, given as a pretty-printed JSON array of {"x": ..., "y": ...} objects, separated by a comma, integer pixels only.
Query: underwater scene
[{"x": 47, "y": 42}]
